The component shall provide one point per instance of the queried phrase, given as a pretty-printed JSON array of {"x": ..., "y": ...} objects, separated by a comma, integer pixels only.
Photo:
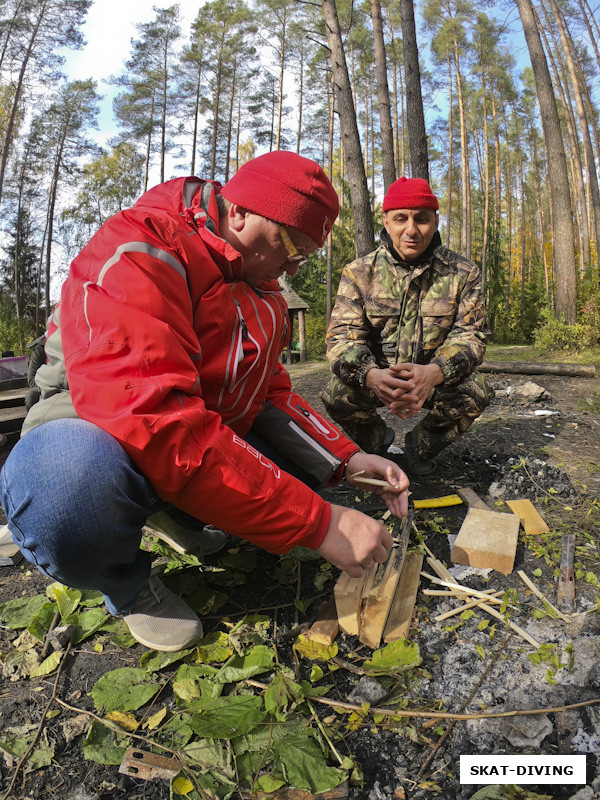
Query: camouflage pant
[{"x": 452, "y": 410}]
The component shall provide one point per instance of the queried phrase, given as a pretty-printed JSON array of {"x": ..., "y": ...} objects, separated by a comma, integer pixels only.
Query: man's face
[
  {"x": 411, "y": 230},
  {"x": 265, "y": 255}
]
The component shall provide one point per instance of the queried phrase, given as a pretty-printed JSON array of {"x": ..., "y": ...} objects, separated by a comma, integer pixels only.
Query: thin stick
[
  {"x": 372, "y": 481},
  {"x": 511, "y": 624},
  {"x": 541, "y": 595},
  {"x": 392, "y": 712},
  {"x": 457, "y": 587},
  {"x": 460, "y": 609}
]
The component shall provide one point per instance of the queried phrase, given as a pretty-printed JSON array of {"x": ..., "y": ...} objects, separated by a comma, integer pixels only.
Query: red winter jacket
[{"x": 169, "y": 351}]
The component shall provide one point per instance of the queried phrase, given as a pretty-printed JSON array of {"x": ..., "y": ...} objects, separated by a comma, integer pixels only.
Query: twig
[
  {"x": 50, "y": 629},
  {"x": 541, "y": 595},
  {"x": 40, "y": 727},
  {"x": 463, "y": 607},
  {"x": 392, "y": 712},
  {"x": 372, "y": 481}
]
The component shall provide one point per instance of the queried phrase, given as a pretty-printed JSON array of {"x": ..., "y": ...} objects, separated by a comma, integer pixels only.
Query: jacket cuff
[{"x": 315, "y": 539}]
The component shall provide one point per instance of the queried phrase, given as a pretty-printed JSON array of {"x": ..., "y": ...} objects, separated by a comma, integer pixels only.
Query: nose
[{"x": 411, "y": 227}]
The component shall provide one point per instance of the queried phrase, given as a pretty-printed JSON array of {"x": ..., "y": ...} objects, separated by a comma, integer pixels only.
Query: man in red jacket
[{"x": 163, "y": 395}]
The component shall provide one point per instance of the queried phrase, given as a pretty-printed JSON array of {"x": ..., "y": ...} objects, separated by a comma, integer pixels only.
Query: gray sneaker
[
  {"x": 161, "y": 620},
  {"x": 197, "y": 541}
]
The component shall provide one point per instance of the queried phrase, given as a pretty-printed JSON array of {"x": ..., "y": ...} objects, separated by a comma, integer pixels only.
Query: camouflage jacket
[{"x": 388, "y": 311}]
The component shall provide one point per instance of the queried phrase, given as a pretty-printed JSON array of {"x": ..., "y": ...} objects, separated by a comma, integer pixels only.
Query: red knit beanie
[
  {"x": 410, "y": 193},
  {"x": 286, "y": 188}
]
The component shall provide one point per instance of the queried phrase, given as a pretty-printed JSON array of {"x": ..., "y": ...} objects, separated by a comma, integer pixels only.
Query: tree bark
[
  {"x": 417, "y": 136},
  {"x": 383, "y": 98},
  {"x": 357, "y": 179},
  {"x": 563, "y": 243}
]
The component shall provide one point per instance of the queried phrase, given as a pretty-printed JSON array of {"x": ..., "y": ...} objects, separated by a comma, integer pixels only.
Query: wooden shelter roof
[{"x": 293, "y": 300}]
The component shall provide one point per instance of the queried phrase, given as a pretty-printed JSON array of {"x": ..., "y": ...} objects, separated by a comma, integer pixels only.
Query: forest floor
[{"x": 545, "y": 449}]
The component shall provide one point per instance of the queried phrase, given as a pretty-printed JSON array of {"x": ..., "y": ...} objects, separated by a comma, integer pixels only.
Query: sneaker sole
[{"x": 166, "y": 648}]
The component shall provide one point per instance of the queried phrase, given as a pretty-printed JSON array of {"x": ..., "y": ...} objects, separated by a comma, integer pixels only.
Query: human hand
[
  {"x": 392, "y": 385},
  {"x": 372, "y": 466},
  {"x": 422, "y": 378},
  {"x": 354, "y": 541}
]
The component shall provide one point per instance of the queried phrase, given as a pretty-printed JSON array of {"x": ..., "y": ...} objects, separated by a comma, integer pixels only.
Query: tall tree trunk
[
  {"x": 149, "y": 145},
  {"x": 10, "y": 125},
  {"x": 563, "y": 243},
  {"x": 450, "y": 153},
  {"x": 281, "y": 75},
  {"x": 329, "y": 269},
  {"x": 486, "y": 187},
  {"x": 196, "y": 115},
  {"x": 383, "y": 98},
  {"x": 395, "y": 119},
  {"x": 581, "y": 231},
  {"x": 230, "y": 123},
  {"x": 590, "y": 162},
  {"x": 465, "y": 239},
  {"x": 216, "y": 106},
  {"x": 357, "y": 179},
  {"x": 417, "y": 136},
  {"x": 300, "y": 96}
]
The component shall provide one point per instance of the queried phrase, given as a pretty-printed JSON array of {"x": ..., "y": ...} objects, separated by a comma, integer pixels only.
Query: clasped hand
[{"x": 404, "y": 388}]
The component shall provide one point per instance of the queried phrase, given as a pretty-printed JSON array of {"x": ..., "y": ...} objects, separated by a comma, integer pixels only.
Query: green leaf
[
  {"x": 318, "y": 652},
  {"x": 48, "y": 665},
  {"x": 154, "y": 661},
  {"x": 66, "y": 599},
  {"x": 269, "y": 783},
  {"x": 243, "y": 562},
  {"x": 238, "y": 668},
  {"x": 467, "y": 614},
  {"x": 537, "y": 573},
  {"x": 282, "y": 694},
  {"x": 260, "y": 739},
  {"x": 228, "y": 717},
  {"x": 214, "y": 647},
  {"x": 395, "y": 657},
  {"x": 41, "y": 623},
  {"x": 103, "y": 746},
  {"x": 316, "y": 673},
  {"x": 193, "y": 681},
  {"x": 86, "y": 623},
  {"x": 91, "y": 598},
  {"x": 15, "y": 745},
  {"x": 483, "y": 624},
  {"x": 21, "y": 611},
  {"x": 304, "y": 764},
  {"x": 210, "y": 754},
  {"x": 480, "y": 650},
  {"x": 124, "y": 689}
]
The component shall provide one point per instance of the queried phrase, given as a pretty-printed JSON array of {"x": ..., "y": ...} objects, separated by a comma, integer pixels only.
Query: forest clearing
[
  {"x": 496, "y": 106},
  {"x": 550, "y": 458}
]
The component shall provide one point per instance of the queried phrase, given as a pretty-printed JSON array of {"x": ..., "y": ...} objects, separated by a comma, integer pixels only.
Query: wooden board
[
  {"x": 403, "y": 605},
  {"x": 348, "y": 600},
  {"x": 531, "y": 520},
  {"x": 12, "y": 398},
  {"x": 381, "y": 595},
  {"x": 471, "y": 498},
  {"x": 326, "y": 627},
  {"x": 487, "y": 539}
]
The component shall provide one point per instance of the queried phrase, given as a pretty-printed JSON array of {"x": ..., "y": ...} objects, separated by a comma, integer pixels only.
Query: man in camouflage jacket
[{"x": 408, "y": 330}]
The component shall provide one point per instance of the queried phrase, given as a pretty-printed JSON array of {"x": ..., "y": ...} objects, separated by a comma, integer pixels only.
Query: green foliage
[{"x": 555, "y": 335}]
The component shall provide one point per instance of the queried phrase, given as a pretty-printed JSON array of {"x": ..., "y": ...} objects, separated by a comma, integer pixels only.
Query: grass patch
[{"x": 505, "y": 352}]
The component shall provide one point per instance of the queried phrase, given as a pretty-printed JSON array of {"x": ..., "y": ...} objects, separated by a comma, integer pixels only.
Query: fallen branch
[
  {"x": 534, "y": 368},
  {"x": 392, "y": 712}
]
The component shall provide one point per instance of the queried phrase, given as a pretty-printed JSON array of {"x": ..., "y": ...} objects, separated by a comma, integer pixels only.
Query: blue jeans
[{"x": 76, "y": 505}]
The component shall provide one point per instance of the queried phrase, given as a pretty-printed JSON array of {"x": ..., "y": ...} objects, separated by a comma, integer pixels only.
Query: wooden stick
[
  {"x": 511, "y": 624},
  {"x": 541, "y": 595},
  {"x": 444, "y": 593},
  {"x": 372, "y": 481},
  {"x": 464, "y": 607},
  {"x": 462, "y": 589}
]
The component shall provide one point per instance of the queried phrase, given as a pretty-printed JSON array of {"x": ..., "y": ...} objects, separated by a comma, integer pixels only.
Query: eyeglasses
[{"x": 294, "y": 255}]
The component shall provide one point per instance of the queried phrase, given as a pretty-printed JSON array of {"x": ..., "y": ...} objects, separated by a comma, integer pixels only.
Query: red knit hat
[
  {"x": 286, "y": 188},
  {"x": 410, "y": 193}
]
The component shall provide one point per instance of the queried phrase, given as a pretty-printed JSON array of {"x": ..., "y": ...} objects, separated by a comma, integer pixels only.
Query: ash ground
[{"x": 551, "y": 458}]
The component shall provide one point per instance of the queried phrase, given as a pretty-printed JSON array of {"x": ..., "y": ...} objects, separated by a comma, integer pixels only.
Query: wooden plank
[
  {"x": 12, "y": 398},
  {"x": 326, "y": 627},
  {"x": 379, "y": 600},
  {"x": 487, "y": 539},
  {"x": 11, "y": 419},
  {"x": 471, "y": 498},
  {"x": 531, "y": 519},
  {"x": 348, "y": 602},
  {"x": 403, "y": 605}
]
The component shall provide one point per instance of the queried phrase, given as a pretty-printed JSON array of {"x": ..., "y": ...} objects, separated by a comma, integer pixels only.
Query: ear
[
  {"x": 384, "y": 219},
  {"x": 236, "y": 217},
  {"x": 437, "y": 220}
]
